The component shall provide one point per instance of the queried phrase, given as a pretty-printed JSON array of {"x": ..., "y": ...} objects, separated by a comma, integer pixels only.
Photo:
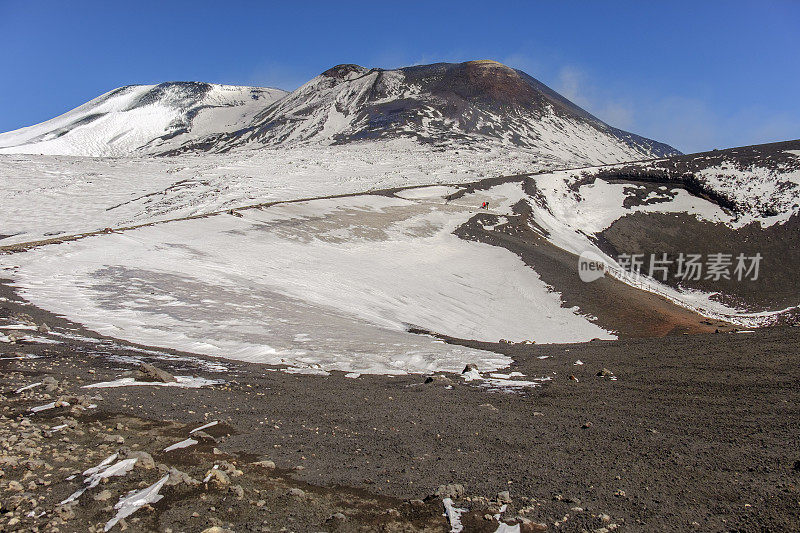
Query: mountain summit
[{"x": 476, "y": 104}]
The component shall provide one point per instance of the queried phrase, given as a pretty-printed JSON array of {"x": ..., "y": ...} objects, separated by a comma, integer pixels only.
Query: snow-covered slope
[
  {"x": 757, "y": 183},
  {"x": 140, "y": 119},
  {"x": 477, "y": 104}
]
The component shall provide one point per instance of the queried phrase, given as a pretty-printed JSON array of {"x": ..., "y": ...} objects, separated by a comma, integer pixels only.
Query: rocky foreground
[
  {"x": 70, "y": 465},
  {"x": 683, "y": 433}
]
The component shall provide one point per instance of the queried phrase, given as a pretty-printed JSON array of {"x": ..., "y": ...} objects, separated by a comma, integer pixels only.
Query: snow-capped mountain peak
[
  {"x": 473, "y": 105},
  {"x": 138, "y": 119}
]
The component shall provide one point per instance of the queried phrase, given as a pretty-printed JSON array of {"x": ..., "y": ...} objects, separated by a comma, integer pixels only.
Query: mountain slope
[
  {"x": 142, "y": 119},
  {"x": 470, "y": 104}
]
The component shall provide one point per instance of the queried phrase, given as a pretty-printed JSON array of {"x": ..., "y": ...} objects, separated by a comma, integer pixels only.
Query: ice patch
[
  {"x": 182, "y": 444},
  {"x": 27, "y": 387},
  {"x": 453, "y": 515},
  {"x": 47, "y": 406},
  {"x": 185, "y": 382},
  {"x": 135, "y": 500},
  {"x": 205, "y": 426}
]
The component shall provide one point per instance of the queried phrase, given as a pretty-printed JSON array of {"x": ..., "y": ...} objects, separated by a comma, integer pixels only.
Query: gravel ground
[{"x": 688, "y": 432}]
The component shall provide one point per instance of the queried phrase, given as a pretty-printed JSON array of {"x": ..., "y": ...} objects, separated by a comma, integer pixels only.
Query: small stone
[
  {"x": 177, "y": 477},
  {"x": 143, "y": 459},
  {"x": 266, "y": 463},
  {"x": 103, "y": 496},
  {"x": 218, "y": 478},
  {"x": 15, "y": 486},
  {"x": 453, "y": 491},
  {"x": 605, "y": 373},
  {"x": 439, "y": 380},
  {"x": 527, "y": 526},
  {"x": 297, "y": 493},
  {"x": 338, "y": 516},
  {"x": 153, "y": 373},
  {"x": 504, "y": 497}
]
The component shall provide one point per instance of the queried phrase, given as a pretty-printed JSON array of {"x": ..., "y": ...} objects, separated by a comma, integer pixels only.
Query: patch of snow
[
  {"x": 453, "y": 515},
  {"x": 102, "y": 471},
  {"x": 361, "y": 268},
  {"x": 27, "y": 387},
  {"x": 185, "y": 382},
  {"x": 135, "y": 500},
  {"x": 182, "y": 444},
  {"x": 47, "y": 406},
  {"x": 205, "y": 426}
]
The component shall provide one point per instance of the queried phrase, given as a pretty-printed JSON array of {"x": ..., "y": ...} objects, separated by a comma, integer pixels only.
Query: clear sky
[{"x": 697, "y": 75}]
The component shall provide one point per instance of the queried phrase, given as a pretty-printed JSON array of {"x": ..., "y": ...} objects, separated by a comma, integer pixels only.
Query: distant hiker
[{"x": 484, "y": 205}]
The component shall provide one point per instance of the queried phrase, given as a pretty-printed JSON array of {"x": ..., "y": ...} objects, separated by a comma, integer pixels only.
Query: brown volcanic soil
[
  {"x": 776, "y": 287},
  {"x": 627, "y": 311},
  {"x": 696, "y": 432}
]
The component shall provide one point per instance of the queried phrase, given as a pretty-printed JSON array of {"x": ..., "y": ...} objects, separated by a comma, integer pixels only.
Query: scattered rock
[
  {"x": 266, "y": 463},
  {"x": 144, "y": 459},
  {"x": 152, "y": 373},
  {"x": 217, "y": 478},
  {"x": 469, "y": 368},
  {"x": 489, "y": 407},
  {"x": 103, "y": 495},
  {"x": 177, "y": 477},
  {"x": 605, "y": 373},
  {"x": 439, "y": 379},
  {"x": 297, "y": 493},
  {"x": 453, "y": 491},
  {"x": 504, "y": 497},
  {"x": 203, "y": 436},
  {"x": 15, "y": 486},
  {"x": 528, "y": 526}
]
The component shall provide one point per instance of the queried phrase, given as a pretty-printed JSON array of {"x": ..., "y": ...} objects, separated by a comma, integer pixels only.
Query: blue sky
[{"x": 697, "y": 75}]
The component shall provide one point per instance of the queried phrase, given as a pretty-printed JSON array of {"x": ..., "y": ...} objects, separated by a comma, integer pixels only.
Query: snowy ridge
[
  {"x": 758, "y": 183},
  {"x": 477, "y": 104},
  {"x": 142, "y": 119},
  {"x": 454, "y": 105}
]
